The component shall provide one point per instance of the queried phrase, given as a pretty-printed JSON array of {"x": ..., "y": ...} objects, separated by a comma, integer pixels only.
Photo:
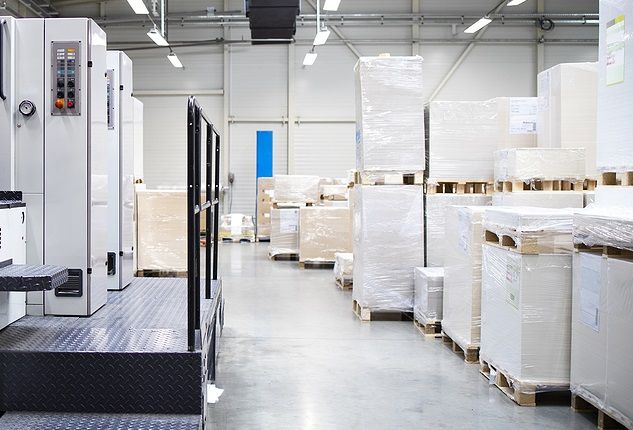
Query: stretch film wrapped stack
[
  {"x": 237, "y": 227},
  {"x": 567, "y": 114},
  {"x": 526, "y": 164},
  {"x": 389, "y": 114},
  {"x": 436, "y": 210},
  {"x": 324, "y": 231},
  {"x": 541, "y": 199},
  {"x": 296, "y": 189},
  {"x": 429, "y": 292},
  {"x": 464, "y": 135},
  {"x": 284, "y": 232},
  {"x": 526, "y": 297},
  {"x": 615, "y": 87},
  {"x": 461, "y": 319},
  {"x": 344, "y": 267},
  {"x": 388, "y": 244}
]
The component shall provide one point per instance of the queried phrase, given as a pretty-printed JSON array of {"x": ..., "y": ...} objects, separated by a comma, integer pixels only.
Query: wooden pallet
[
  {"x": 151, "y": 273},
  {"x": 309, "y": 264},
  {"x": 539, "y": 185},
  {"x": 430, "y": 328},
  {"x": 240, "y": 240},
  {"x": 344, "y": 284},
  {"x": 459, "y": 186},
  {"x": 284, "y": 257},
  {"x": 292, "y": 205},
  {"x": 530, "y": 244},
  {"x": 389, "y": 178},
  {"x": 606, "y": 251},
  {"x": 366, "y": 314},
  {"x": 624, "y": 179},
  {"x": 590, "y": 184},
  {"x": 523, "y": 395},
  {"x": 471, "y": 355},
  {"x": 605, "y": 421}
]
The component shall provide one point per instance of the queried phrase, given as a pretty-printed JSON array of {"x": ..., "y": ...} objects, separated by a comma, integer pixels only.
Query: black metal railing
[{"x": 196, "y": 121}]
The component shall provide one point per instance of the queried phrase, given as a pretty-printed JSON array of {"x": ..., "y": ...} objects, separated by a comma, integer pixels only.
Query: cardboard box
[
  {"x": 265, "y": 195},
  {"x": 389, "y": 114},
  {"x": 324, "y": 231}
]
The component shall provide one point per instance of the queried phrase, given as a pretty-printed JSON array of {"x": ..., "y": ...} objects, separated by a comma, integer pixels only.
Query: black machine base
[{"x": 131, "y": 357}]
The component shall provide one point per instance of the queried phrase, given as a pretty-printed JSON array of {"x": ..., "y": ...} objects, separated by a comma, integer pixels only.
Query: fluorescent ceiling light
[
  {"x": 309, "y": 59},
  {"x": 138, "y": 6},
  {"x": 321, "y": 37},
  {"x": 515, "y": 2},
  {"x": 478, "y": 25},
  {"x": 332, "y": 5},
  {"x": 158, "y": 38},
  {"x": 175, "y": 61}
]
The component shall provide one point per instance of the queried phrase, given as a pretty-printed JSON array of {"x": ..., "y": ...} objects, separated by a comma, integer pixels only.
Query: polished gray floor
[{"x": 294, "y": 356}]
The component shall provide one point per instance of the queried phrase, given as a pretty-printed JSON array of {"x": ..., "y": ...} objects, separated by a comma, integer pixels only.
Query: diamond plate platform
[
  {"x": 17, "y": 277},
  {"x": 61, "y": 421},
  {"x": 129, "y": 357}
]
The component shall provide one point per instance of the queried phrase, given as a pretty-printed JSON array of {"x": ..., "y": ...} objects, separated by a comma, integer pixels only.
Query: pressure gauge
[{"x": 27, "y": 108}]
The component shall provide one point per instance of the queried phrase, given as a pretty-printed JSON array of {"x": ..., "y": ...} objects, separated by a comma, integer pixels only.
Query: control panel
[{"x": 66, "y": 78}]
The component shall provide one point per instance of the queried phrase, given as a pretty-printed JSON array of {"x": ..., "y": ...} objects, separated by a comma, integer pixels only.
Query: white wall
[{"x": 268, "y": 84}]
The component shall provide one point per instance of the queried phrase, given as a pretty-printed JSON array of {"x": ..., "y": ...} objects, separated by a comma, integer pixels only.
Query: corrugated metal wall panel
[{"x": 324, "y": 149}]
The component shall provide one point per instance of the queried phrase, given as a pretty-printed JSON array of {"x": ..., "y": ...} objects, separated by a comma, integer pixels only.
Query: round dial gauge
[{"x": 27, "y": 108}]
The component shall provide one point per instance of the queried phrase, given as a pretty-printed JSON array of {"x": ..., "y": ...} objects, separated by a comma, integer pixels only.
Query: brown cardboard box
[
  {"x": 265, "y": 191},
  {"x": 324, "y": 231}
]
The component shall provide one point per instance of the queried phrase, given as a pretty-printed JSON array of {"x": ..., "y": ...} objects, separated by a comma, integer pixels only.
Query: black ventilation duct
[{"x": 272, "y": 21}]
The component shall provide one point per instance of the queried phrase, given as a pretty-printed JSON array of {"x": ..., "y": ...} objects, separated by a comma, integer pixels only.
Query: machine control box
[{"x": 66, "y": 79}]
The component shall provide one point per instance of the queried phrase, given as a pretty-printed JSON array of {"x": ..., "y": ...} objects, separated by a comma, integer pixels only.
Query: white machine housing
[
  {"x": 12, "y": 247},
  {"x": 58, "y": 153},
  {"x": 121, "y": 130}
]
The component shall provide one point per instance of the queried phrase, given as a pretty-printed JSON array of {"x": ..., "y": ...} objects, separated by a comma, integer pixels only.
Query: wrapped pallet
[
  {"x": 284, "y": 232},
  {"x": 296, "y": 189},
  {"x": 161, "y": 218},
  {"x": 541, "y": 199},
  {"x": 334, "y": 192},
  {"x": 528, "y": 164},
  {"x": 343, "y": 268},
  {"x": 237, "y": 228},
  {"x": 464, "y": 135},
  {"x": 324, "y": 231},
  {"x": 388, "y": 243},
  {"x": 389, "y": 114},
  {"x": 436, "y": 210},
  {"x": 615, "y": 87},
  {"x": 567, "y": 109},
  {"x": 428, "y": 296},
  {"x": 461, "y": 319},
  {"x": 265, "y": 196}
]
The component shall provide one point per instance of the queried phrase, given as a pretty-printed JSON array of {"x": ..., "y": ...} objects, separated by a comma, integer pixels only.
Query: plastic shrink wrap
[
  {"x": 296, "y": 188},
  {"x": 265, "y": 196},
  {"x": 525, "y": 164},
  {"x": 530, "y": 230},
  {"x": 436, "y": 209},
  {"x": 388, "y": 243},
  {"x": 615, "y": 87},
  {"x": 541, "y": 199},
  {"x": 389, "y": 114},
  {"x": 526, "y": 317},
  {"x": 614, "y": 196},
  {"x": 464, "y": 135},
  {"x": 429, "y": 292},
  {"x": 589, "y": 197},
  {"x": 567, "y": 114},
  {"x": 604, "y": 226},
  {"x": 161, "y": 230},
  {"x": 237, "y": 227},
  {"x": 461, "y": 319},
  {"x": 284, "y": 232},
  {"x": 344, "y": 267},
  {"x": 324, "y": 231},
  {"x": 334, "y": 192}
]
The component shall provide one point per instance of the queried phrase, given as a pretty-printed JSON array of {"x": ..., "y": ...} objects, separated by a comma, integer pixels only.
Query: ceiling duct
[{"x": 272, "y": 21}]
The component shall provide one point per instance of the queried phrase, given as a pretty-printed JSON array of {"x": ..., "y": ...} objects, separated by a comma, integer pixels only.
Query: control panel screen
[{"x": 66, "y": 78}]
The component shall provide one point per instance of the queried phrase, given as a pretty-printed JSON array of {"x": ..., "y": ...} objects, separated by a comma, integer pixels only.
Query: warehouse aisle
[{"x": 294, "y": 356}]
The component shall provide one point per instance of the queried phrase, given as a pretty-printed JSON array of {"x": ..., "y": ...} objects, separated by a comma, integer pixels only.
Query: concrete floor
[{"x": 294, "y": 356}]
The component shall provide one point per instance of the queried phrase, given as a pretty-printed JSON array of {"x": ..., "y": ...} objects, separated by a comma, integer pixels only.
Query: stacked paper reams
[
  {"x": 526, "y": 300},
  {"x": 388, "y": 206}
]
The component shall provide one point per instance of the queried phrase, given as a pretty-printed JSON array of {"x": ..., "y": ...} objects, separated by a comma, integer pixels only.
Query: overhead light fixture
[
  {"x": 321, "y": 37},
  {"x": 309, "y": 59},
  {"x": 515, "y": 2},
  {"x": 478, "y": 25},
  {"x": 332, "y": 5},
  {"x": 158, "y": 38},
  {"x": 175, "y": 61},
  {"x": 138, "y": 7}
]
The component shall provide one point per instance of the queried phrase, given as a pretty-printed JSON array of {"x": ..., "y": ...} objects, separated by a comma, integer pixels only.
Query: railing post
[
  {"x": 216, "y": 207},
  {"x": 207, "y": 214},
  {"x": 191, "y": 300}
]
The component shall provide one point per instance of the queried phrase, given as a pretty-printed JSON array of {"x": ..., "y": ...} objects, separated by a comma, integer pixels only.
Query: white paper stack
[
  {"x": 429, "y": 291},
  {"x": 524, "y": 164},
  {"x": 567, "y": 114},
  {"x": 436, "y": 210},
  {"x": 284, "y": 231},
  {"x": 343, "y": 267},
  {"x": 388, "y": 229},
  {"x": 615, "y": 87},
  {"x": 297, "y": 188},
  {"x": 542, "y": 199},
  {"x": 389, "y": 114},
  {"x": 461, "y": 319}
]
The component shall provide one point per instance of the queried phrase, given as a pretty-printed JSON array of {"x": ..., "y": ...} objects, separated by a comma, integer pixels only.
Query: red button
[
  {"x": 70, "y": 104},
  {"x": 59, "y": 103}
]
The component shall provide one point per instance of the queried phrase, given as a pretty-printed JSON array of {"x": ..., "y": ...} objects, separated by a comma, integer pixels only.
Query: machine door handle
[{"x": 2, "y": 95}]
